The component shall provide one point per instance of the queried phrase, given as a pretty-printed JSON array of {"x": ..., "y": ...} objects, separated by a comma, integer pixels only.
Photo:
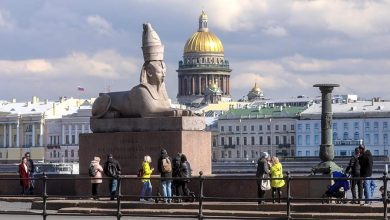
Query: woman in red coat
[{"x": 23, "y": 174}]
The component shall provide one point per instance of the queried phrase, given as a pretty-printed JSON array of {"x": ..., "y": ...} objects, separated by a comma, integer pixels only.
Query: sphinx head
[{"x": 153, "y": 72}]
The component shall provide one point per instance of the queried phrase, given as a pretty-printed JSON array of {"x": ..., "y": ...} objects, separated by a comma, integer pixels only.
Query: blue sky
[{"x": 49, "y": 47}]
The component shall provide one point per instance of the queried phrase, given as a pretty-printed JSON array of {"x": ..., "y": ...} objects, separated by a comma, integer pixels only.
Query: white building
[
  {"x": 63, "y": 135},
  {"x": 244, "y": 133},
  {"x": 353, "y": 122},
  {"x": 23, "y": 126}
]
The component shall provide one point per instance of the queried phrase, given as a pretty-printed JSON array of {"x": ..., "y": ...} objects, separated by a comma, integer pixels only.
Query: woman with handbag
[
  {"x": 276, "y": 184},
  {"x": 261, "y": 173}
]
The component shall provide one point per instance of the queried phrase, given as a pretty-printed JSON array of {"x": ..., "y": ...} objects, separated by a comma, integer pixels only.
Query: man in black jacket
[
  {"x": 165, "y": 169},
  {"x": 354, "y": 169},
  {"x": 366, "y": 163},
  {"x": 262, "y": 171},
  {"x": 112, "y": 169}
]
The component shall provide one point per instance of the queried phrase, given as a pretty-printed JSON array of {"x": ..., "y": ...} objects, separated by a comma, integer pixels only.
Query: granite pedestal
[{"x": 175, "y": 134}]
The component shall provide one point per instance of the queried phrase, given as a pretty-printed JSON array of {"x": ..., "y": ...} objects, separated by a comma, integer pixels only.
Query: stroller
[{"x": 337, "y": 190}]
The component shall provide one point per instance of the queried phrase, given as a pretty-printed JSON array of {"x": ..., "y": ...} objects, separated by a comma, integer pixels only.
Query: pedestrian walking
[
  {"x": 354, "y": 170},
  {"x": 276, "y": 184},
  {"x": 165, "y": 169},
  {"x": 147, "y": 185},
  {"x": 262, "y": 172},
  {"x": 185, "y": 175},
  {"x": 176, "y": 161},
  {"x": 31, "y": 172},
  {"x": 112, "y": 169},
  {"x": 366, "y": 164},
  {"x": 24, "y": 176},
  {"x": 95, "y": 172}
]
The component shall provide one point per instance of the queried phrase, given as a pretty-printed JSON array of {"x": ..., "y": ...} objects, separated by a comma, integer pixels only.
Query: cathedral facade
[{"x": 204, "y": 73}]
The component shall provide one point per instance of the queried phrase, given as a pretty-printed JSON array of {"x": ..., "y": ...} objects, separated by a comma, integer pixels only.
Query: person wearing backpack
[
  {"x": 185, "y": 174},
  {"x": 147, "y": 185},
  {"x": 112, "y": 169},
  {"x": 96, "y": 180},
  {"x": 165, "y": 169}
]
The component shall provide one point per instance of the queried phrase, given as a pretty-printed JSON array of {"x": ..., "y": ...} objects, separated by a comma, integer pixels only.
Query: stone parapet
[{"x": 147, "y": 124}]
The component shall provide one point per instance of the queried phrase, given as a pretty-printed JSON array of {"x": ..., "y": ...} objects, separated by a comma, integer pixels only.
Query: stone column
[
  {"x": 69, "y": 133},
  {"x": 326, "y": 147},
  {"x": 5, "y": 136},
  {"x": 33, "y": 134},
  {"x": 17, "y": 134},
  {"x": 82, "y": 128},
  {"x": 9, "y": 135},
  {"x": 63, "y": 134},
  {"x": 192, "y": 85},
  {"x": 199, "y": 85},
  {"x": 41, "y": 133},
  {"x": 76, "y": 133}
]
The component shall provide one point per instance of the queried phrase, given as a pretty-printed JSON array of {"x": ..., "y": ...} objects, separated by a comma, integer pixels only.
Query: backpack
[
  {"x": 166, "y": 165},
  {"x": 91, "y": 171},
  {"x": 140, "y": 172},
  {"x": 111, "y": 170}
]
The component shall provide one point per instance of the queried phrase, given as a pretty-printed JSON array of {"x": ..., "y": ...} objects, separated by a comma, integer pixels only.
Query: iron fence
[{"x": 200, "y": 198}]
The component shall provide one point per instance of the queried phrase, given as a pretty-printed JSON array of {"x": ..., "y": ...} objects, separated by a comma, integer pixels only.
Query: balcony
[{"x": 347, "y": 142}]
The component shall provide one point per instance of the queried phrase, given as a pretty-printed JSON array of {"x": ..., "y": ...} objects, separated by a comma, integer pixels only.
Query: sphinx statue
[{"x": 149, "y": 98}]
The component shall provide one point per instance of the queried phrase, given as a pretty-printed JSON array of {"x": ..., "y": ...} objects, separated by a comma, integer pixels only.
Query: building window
[
  {"x": 230, "y": 139},
  {"x": 222, "y": 154},
  {"x": 253, "y": 153},
  {"x": 292, "y": 127},
  {"x": 268, "y": 127},
  {"x": 299, "y": 153},
  {"x": 292, "y": 140},
  {"x": 276, "y": 127},
  {"x": 334, "y": 126},
  {"x": 229, "y": 154},
  {"x": 238, "y": 140},
  {"x": 284, "y": 139},
  {"x": 356, "y": 125},
  {"x": 345, "y": 126},
  {"x": 367, "y": 139},
  {"x": 238, "y": 154},
  {"x": 299, "y": 127},
  {"x": 222, "y": 141},
  {"x": 316, "y": 126},
  {"x": 385, "y": 126},
  {"x": 376, "y": 138},
  {"x": 269, "y": 140},
  {"x": 284, "y": 127},
  {"x": 67, "y": 139},
  {"x": 316, "y": 139},
  {"x": 376, "y": 152},
  {"x": 66, "y": 153},
  {"x": 237, "y": 128},
  {"x": 230, "y": 128},
  {"x": 386, "y": 152},
  {"x": 73, "y": 139},
  {"x": 345, "y": 136},
  {"x": 276, "y": 139},
  {"x": 356, "y": 136},
  {"x": 376, "y": 125},
  {"x": 261, "y": 140},
  {"x": 316, "y": 153},
  {"x": 367, "y": 125},
  {"x": 51, "y": 154},
  {"x": 307, "y": 139},
  {"x": 307, "y": 153},
  {"x": 299, "y": 139},
  {"x": 252, "y": 128},
  {"x": 245, "y": 154},
  {"x": 222, "y": 128},
  {"x": 253, "y": 140},
  {"x": 245, "y": 141},
  {"x": 307, "y": 127},
  {"x": 260, "y": 127},
  {"x": 244, "y": 128},
  {"x": 385, "y": 139},
  {"x": 335, "y": 136}
]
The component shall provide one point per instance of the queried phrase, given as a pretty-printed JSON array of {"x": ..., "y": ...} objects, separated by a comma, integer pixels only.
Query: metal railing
[{"x": 201, "y": 198}]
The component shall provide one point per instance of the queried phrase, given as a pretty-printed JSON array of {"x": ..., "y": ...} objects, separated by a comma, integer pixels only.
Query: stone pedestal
[{"x": 130, "y": 147}]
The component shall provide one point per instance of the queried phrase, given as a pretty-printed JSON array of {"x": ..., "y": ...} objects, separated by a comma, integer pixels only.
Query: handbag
[{"x": 265, "y": 183}]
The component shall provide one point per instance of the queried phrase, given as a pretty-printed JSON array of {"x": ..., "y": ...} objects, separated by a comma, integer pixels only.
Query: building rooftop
[{"x": 267, "y": 112}]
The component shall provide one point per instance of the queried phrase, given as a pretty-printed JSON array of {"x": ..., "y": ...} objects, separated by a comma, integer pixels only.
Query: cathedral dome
[{"x": 203, "y": 41}]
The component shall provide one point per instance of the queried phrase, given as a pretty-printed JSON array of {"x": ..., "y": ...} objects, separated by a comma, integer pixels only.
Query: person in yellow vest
[
  {"x": 276, "y": 171},
  {"x": 147, "y": 185}
]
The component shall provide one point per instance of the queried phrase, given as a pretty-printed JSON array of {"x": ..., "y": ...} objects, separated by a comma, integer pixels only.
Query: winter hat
[{"x": 265, "y": 155}]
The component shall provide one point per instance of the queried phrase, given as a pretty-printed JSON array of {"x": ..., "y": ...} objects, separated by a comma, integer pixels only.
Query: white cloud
[
  {"x": 275, "y": 31},
  {"x": 100, "y": 24},
  {"x": 5, "y": 20}
]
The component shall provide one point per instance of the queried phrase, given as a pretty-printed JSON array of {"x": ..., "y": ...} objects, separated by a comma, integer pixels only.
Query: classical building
[
  {"x": 354, "y": 122},
  {"x": 255, "y": 94},
  {"x": 23, "y": 126},
  {"x": 62, "y": 134},
  {"x": 203, "y": 65},
  {"x": 244, "y": 133}
]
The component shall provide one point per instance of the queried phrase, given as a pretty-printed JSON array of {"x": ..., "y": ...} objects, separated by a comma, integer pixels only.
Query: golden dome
[
  {"x": 214, "y": 86},
  {"x": 203, "y": 42},
  {"x": 256, "y": 89}
]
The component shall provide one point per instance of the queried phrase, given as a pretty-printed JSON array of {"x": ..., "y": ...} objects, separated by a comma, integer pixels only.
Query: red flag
[{"x": 81, "y": 89}]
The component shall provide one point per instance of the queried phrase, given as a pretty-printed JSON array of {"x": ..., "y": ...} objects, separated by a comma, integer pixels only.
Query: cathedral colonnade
[{"x": 196, "y": 84}]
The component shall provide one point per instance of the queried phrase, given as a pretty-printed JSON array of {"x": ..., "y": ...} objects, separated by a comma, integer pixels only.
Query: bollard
[
  {"x": 118, "y": 199},
  {"x": 44, "y": 197},
  {"x": 385, "y": 195},
  {"x": 200, "y": 197}
]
